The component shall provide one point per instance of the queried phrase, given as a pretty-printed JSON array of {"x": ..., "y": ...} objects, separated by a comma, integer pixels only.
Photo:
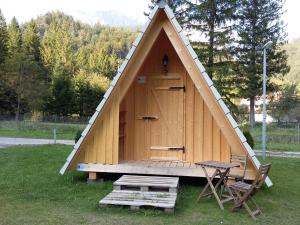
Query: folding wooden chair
[
  {"x": 239, "y": 174},
  {"x": 235, "y": 174},
  {"x": 243, "y": 192}
]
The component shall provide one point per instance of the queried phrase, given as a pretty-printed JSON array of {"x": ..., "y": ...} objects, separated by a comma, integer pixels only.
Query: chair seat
[{"x": 240, "y": 186}]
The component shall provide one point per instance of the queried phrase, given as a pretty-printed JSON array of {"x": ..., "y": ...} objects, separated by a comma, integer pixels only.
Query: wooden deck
[{"x": 152, "y": 167}]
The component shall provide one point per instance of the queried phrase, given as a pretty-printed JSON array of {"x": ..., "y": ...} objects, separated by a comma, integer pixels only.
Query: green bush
[
  {"x": 249, "y": 138},
  {"x": 78, "y": 135}
]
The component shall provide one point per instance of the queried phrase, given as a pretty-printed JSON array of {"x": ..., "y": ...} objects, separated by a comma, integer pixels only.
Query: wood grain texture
[{"x": 189, "y": 117}]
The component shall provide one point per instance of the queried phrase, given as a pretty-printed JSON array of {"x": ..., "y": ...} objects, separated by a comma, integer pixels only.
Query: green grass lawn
[
  {"x": 32, "y": 192},
  {"x": 29, "y": 129}
]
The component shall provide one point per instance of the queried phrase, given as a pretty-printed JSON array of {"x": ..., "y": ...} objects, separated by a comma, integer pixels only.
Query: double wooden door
[{"x": 164, "y": 120}]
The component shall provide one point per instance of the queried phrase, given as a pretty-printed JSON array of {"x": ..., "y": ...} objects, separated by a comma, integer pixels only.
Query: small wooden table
[{"x": 221, "y": 170}]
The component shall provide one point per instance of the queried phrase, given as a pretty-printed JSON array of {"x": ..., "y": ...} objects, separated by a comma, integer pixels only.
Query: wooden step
[
  {"x": 146, "y": 183},
  {"x": 136, "y": 199}
]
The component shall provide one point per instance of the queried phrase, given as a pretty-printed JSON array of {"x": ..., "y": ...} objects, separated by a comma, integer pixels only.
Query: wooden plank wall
[
  {"x": 102, "y": 142},
  {"x": 203, "y": 138}
]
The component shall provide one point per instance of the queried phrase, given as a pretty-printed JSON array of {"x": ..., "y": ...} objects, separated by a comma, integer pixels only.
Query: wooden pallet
[
  {"x": 136, "y": 199},
  {"x": 146, "y": 183}
]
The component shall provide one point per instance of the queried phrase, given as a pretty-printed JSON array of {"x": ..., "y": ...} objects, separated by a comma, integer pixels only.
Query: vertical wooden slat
[
  {"x": 115, "y": 115},
  {"x": 198, "y": 127},
  {"x": 129, "y": 126},
  {"x": 207, "y": 140},
  {"x": 225, "y": 149},
  {"x": 216, "y": 142},
  {"x": 109, "y": 137},
  {"x": 189, "y": 106},
  {"x": 101, "y": 143}
]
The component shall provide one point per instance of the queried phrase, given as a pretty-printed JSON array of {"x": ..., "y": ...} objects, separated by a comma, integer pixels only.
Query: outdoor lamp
[{"x": 165, "y": 62}]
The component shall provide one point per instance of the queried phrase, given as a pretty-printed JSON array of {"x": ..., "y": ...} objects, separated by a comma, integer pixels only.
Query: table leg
[
  {"x": 212, "y": 188},
  {"x": 207, "y": 185},
  {"x": 222, "y": 177}
]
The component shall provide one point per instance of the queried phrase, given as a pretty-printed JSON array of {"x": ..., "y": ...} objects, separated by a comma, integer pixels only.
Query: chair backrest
[
  {"x": 241, "y": 160},
  {"x": 261, "y": 175}
]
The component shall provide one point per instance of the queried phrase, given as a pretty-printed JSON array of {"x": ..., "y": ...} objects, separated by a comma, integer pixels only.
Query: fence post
[
  {"x": 54, "y": 135},
  {"x": 298, "y": 133}
]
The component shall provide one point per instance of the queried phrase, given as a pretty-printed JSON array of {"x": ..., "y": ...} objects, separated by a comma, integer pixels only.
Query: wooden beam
[
  {"x": 143, "y": 168},
  {"x": 92, "y": 176}
]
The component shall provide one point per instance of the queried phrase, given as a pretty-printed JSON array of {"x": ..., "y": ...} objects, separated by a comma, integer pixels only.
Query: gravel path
[{"x": 8, "y": 141}]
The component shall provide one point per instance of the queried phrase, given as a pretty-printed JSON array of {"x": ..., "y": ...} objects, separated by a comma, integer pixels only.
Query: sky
[{"x": 24, "y": 10}]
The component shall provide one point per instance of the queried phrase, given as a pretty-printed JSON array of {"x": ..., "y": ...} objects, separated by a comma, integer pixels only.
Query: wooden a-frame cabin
[{"x": 161, "y": 113}]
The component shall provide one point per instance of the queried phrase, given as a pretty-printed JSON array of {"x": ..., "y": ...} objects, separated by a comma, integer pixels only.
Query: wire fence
[
  {"x": 50, "y": 127},
  {"x": 280, "y": 132}
]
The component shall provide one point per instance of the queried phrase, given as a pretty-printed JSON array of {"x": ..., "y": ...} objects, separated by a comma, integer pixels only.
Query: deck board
[{"x": 146, "y": 167}]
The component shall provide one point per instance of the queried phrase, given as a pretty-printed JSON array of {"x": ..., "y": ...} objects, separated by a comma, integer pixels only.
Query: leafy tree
[
  {"x": 22, "y": 75},
  {"x": 89, "y": 89},
  {"x": 258, "y": 22},
  {"x": 61, "y": 100},
  {"x": 102, "y": 63},
  {"x": 3, "y": 38},
  {"x": 289, "y": 100},
  {"x": 61, "y": 46},
  {"x": 293, "y": 51}
]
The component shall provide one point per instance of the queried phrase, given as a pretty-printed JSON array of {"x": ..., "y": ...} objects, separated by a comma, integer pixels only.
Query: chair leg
[
  {"x": 238, "y": 203},
  {"x": 249, "y": 210},
  {"x": 255, "y": 204}
]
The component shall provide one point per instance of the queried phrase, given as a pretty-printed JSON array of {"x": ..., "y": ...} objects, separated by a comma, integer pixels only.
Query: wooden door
[{"x": 165, "y": 127}]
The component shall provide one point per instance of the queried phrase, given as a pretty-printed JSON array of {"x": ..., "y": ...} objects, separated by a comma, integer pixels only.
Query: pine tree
[
  {"x": 213, "y": 19},
  {"x": 259, "y": 21},
  {"x": 58, "y": 49},
  {"x": 22, "y": 73},
  {"x": 31, "y": 41},
  {"x": 14, "y": 42},
  {"x": 3, "y": 38}
]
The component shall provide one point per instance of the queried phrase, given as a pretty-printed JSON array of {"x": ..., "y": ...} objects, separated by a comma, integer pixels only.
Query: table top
[{"x": 217, "y": 164}]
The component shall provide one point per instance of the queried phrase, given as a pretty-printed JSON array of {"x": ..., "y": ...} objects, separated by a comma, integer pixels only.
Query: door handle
[{"x": 177, "y": 148}]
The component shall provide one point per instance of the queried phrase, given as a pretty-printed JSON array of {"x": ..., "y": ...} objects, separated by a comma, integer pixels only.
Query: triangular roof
[{"x": 201, "y": 72}]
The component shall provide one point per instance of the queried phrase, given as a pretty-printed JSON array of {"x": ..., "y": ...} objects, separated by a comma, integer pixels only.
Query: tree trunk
[
  {"x": 252, "y": 112},
  {"x": 18, "y": 112},
  {"x": 210, "y": 62}
]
